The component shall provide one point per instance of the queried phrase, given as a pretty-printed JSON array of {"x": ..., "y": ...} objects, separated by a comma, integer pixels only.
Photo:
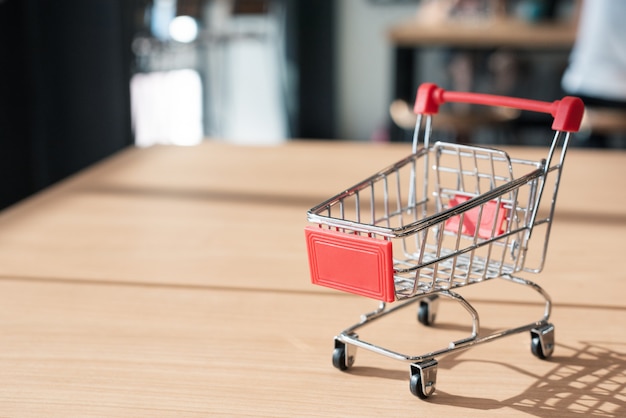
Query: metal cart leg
[
  {"x": 542, "y": 332},
  {"x": 424, "y": 367}
]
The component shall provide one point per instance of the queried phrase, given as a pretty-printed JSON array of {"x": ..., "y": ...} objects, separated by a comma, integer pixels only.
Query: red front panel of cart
[{"x": 351, "y": 263}]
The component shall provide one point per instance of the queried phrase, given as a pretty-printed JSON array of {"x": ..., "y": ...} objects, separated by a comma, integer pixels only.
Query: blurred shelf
[
  {"x": 490, "y": 33},
  {"x": 604, "y": 120}
]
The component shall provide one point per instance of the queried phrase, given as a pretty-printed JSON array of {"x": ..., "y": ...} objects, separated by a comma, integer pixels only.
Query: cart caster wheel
[
  {"x": 427, "y": 311},
  {"x": 415, "y": 384},
  {"x": 542, "y": 341},
  {"x": 339, "y": 359},
  {"x": 423, "y": 378},
  {"x": 343, "y": 355},
  {"x": 535, "y": 347}
]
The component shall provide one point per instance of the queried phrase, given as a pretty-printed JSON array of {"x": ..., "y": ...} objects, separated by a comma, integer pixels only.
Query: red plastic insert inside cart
[
  {"x": 352, "y": 263},
  {"x": 492, "y": 213}
]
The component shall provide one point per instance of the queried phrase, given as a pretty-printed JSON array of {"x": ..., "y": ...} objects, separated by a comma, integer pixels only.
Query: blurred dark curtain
[
  {"x": 311, "y": 44},
  {"x": 64, "y": 89},
  {"x": 65, "y": 68}
]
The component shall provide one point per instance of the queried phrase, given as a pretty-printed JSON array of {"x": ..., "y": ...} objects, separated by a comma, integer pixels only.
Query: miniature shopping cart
[{"x": 446, "y": 216}]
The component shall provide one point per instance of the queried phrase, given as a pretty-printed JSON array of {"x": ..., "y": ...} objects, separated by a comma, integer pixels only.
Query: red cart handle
[{"x": 567, "y": 112}]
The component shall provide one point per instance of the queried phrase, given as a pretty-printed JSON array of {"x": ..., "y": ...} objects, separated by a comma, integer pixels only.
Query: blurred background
[{"x": 82, "y": 79}]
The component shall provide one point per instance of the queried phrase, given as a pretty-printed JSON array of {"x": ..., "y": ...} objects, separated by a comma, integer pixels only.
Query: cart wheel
[
  {"x": 344, "y": 354},
  {"x": 535, "y": 347},
  {"x": 339, "y": 358},
  {"x": 422, "y": 314},
  {"x": 542, "y": 341},
  {"x": 423, "y": 378},
  {"x": 427, "y": 311},
  {"x": 415, "y": 384}
]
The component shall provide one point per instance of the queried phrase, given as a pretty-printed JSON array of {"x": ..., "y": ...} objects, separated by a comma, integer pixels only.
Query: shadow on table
[{"x": 590, "y": 382}]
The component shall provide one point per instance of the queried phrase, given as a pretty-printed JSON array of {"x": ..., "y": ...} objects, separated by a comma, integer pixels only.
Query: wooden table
[{"x": 174, "y": 282}]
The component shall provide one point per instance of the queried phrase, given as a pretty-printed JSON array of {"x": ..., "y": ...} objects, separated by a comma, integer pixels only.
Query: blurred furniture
[
  {"x": 604, "y": 127},
  {"x": 604, "y": 120},
  {"x": 410, "y": 37},
  {"x": 173, "y": 281},
  {"x": 501, "y": 32}
]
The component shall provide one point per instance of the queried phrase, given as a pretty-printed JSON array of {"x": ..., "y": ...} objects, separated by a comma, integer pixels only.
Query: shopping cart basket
[{"x": 446, "y": 216}]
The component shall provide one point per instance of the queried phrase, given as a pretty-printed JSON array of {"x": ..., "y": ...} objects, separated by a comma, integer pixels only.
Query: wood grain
[{"x": 174, "y": 282}]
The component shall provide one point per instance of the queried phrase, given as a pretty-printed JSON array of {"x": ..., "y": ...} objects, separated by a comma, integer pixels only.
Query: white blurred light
[
  {"x": 184, "y": 29},
  {"x": 167, "y": 108}
]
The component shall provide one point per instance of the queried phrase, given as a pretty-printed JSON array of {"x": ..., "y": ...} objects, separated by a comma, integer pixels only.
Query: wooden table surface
[{"x": 174, "y": 282}]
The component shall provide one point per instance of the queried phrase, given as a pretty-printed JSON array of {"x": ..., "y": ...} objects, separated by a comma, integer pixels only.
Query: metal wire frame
[{"x": 428, "y": 255}]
